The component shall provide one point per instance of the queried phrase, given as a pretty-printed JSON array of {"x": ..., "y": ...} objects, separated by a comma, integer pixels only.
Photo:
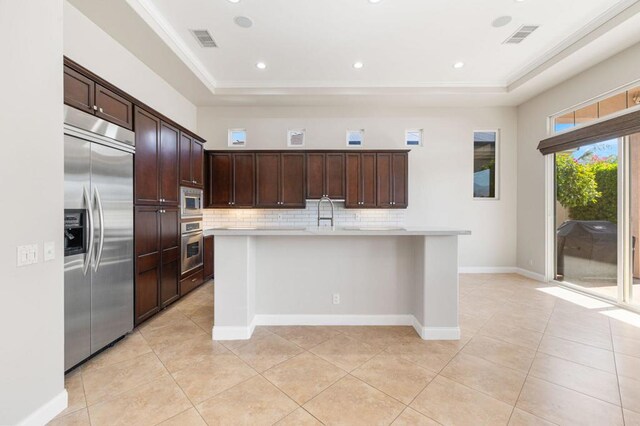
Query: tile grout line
[
  {"x": 531, "y": 366},
  {"x": 615, "y": 366},
  {"x": 177, "y": 384}
]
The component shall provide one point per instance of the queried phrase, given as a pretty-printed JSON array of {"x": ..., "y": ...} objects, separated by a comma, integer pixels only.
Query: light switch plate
[
  {"x": 27, "y": 255},
  {"x": 49, "y": 250}
]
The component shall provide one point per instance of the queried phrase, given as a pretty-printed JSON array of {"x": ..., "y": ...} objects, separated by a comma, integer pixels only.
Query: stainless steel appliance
[
  {"x": 192, "y": 245},
  {"x": 191, "y": 203},
  {"x": 98, "y": 263}
]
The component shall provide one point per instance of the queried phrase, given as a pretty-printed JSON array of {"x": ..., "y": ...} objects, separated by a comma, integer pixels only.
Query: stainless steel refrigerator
[{"x": 98, "y": 267}]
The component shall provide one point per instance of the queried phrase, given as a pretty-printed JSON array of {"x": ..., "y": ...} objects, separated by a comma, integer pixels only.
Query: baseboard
[
  {"x": 532, "y": 275},
  {"x": 232, "y": 333},
  {"x": 436, "y": 333},
  {"x": 48, "y": 411},
  {"x": 487, "y": 270},
  {"x": 427, "y": 333},
  {"x": 333, "y": 320}
]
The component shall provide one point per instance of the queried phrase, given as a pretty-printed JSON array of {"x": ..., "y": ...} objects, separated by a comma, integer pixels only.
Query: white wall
[
  {"x": 94, "y": 49},
  {"x": 31, "y": 184},
  {"x": 617, "y": 71},
  {"x": 440, "y": 173}
]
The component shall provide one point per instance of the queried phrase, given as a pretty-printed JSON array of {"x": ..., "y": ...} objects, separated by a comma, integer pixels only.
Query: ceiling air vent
[
  {"x": 522, "y": 33},
  {"x": 204, "y": 38}
]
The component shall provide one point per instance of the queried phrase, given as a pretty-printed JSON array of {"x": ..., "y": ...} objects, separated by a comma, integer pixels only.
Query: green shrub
[{"x": 606, "y": 205}]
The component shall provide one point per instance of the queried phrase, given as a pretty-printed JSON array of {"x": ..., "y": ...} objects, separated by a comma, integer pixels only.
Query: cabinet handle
[
  {"x": 193, "y": 181},
  {"x": 95, "y": 107},
  {"x": 194, "y": 280},
  {"x": 101, "y": 110}
]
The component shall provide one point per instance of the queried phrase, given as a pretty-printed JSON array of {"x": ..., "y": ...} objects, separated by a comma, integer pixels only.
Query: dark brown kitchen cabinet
[
  {"x": 191, "y": 161},
  {"x": 79, "y": 91},
  {"x": 230, "y": 180},
  {"x": 392, "y": 175},
  {"x": 83, "y": 93},
  {"x": 208, "y": 255},
  {"x": 156, "y": 161},
  {"x": 157, "y": 266},
  {"x": 361, "y": 180},
  {"x": 325, "y": 175},
  {"x": 280, "y": 180},
  {"x": 190, "y": 282}
]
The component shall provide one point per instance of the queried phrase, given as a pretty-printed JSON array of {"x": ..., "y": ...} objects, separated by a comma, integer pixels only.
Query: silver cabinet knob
[
  {"x": 95, "y": 107},
  {"x": 101, "y": 110}
]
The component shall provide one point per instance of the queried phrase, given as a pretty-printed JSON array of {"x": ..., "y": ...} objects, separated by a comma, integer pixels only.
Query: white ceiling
[{"x": 408, "y": 47}]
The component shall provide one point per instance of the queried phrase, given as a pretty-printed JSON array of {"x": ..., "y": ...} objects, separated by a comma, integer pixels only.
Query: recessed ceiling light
[
  {"x": 501, "y": 21},
  {"x": 261, "y": 65},
  {"x": 234, "y": 1},
  {"x": 519, "y": 1},
  {"x": 458, "y": 65},
  {"x": 358, "y": 65},
  {"x": 243, "y": 21},
  {"x": 374, "y": 1}
]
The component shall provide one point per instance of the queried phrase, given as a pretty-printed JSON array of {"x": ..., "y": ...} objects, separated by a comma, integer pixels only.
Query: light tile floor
[{"x": 530, "y": 354}]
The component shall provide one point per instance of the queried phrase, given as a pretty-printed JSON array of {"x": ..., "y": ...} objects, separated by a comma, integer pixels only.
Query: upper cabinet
[
  {"x": 361, "y": 180},
  {"x": 325, "y": 175},
  {"x": 286, "y": 179},
  {"x": 191, "y": 162},
  {"x": 155, "y": 161},
  {"x": 230, "y": 180},
  {"x": 280, "y": 180},
  {"x": 83, "y": 93},
  {"x": 392, "y": 175}
]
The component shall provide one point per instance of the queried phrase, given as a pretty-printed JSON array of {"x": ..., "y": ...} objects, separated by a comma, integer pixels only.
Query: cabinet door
[
  {"x": 334, "y": 172},
  {"x": 147, "y": 189},
  {"x": 315, "y": 176},
  {"x": 292, "y": 180},
  {"x": 170, "y": 255},
  {"x": 113, "y": 107},
  {"x": 185, "y": 160},
  {"x": 399, "y": 180},
  {"x": 268, "y": 180},
  {"x": 353, "y": 181},
  {"x": 168, "y": 156},
  {"x": 219, "y": 190},
  {"x": 197, "y": 164},
  {"x": 368, "y": 180},
  {"x": 384, "y": 178},
  {"x": 79, "y": 91},
  {"x": 148, "y": 264},
  {"x": 208, "y": 257},
  {"x": 244, "y": 169}
]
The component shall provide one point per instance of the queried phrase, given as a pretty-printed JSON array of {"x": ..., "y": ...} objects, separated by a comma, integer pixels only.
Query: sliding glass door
[
  {"x": 597, "y": 219},
  {"x": 631, "y": 288},
  {"x": 586, "y": 206}
]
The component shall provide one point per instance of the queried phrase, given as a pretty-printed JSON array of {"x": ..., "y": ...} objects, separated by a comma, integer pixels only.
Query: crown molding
[{"x": 152, "y": 16}]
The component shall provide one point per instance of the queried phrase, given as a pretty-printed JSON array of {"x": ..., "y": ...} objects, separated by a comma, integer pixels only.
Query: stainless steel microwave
[{"x": 191, "y": 202}]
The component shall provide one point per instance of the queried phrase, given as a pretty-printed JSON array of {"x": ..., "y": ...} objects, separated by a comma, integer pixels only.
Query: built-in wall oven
[
  {"x": 191, "y": 203},
  {"x": 192, "y": 245}
]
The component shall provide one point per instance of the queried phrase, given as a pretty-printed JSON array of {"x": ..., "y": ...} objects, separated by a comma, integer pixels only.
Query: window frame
[{"x": 496, "y": 196}]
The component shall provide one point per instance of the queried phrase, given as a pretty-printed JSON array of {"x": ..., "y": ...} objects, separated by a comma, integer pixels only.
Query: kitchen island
[{"x": 342, "y": 276}]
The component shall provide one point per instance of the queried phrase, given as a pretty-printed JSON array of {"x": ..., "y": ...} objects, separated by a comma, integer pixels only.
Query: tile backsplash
[{"x": 215, "y": 218}]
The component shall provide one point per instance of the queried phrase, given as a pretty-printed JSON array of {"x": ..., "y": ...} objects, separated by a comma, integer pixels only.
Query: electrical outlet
[
  {"x": 336, "y": 298},
  {"x": 356, "y": 216},
  {"x": 280, "y": 217},
  {"x": 49, "y": 250},
  {"x": 27, "y": 255},
  {"x": 530, "y": 262}
]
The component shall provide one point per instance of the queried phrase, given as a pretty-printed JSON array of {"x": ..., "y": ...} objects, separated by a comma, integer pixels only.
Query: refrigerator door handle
[
  {"x": 101, "y": 215},
  {"x": 87, "y": 260}
]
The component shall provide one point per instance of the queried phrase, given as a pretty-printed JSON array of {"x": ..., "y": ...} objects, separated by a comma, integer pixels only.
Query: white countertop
[{"x": 337, "y": 231}]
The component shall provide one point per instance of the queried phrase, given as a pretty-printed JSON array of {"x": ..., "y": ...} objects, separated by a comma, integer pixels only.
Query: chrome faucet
[{"x": 325, "y": 198}]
